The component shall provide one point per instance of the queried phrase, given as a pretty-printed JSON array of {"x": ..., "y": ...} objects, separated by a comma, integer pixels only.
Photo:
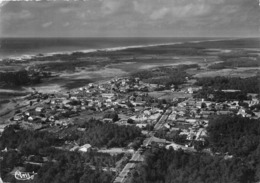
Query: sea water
[{"x": 26, "y": 47}]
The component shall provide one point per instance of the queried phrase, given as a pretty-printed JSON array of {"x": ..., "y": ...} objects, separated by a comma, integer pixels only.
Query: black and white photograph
[{"x": 129, "y": 91}]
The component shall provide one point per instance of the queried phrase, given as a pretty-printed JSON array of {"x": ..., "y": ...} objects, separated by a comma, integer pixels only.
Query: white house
[{"x": 84, "y": 148}]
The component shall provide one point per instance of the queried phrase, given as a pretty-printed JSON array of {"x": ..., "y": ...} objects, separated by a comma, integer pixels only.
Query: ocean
[{"x": 25, "y": 47}]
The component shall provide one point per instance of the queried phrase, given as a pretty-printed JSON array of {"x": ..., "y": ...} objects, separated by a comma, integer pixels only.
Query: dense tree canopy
[
  {"x": 212, "y": 88},
  {"x": 64, "y": 166},
  {"x": 26, "y": 141},
  {"x": 21, "y": 77},
  {"x": 177, "y": 166},
  {"x": 236, "y": 136},
  {"x": 220, "y": 96},
  {"x": 111, "y": 135},
  {"x": 164, "y": 75},
  {"x": 73, "y": 168},
  {"x": 246, "y": 85}
]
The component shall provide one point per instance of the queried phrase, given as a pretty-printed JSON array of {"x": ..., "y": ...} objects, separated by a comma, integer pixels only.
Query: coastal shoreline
[{"x": 30, "y": 56}]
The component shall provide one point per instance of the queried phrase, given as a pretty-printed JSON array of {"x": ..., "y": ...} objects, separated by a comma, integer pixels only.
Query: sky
[{"x": 130, "y": 18}]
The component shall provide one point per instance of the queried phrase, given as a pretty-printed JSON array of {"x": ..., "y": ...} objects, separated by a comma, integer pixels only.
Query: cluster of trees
[
  {"x": 110, "y": 135},
  {"x": 22, "y": 143},
  {"x": 97, "y": 133},
  {"x": 101, "y": 159},
  {"x": 145, "y": 74},
  {"x": 163, "y": 75},
  {"x": 167, "y": 166},
  {"x": 212, "y": 88},
  {"x": 72, "y": 167},
  {"x": 187, "y": 66},
  {"x": 247, "y": 85},
  {"x": 112, "y": 115},
  {"x": 233, "y": 135},
  {"x": 27, "y": 142},
  {"x": 219, "y": 96},
  {"x": 65, "y": 166},
  {"x": 171, "y": 136},
  {"x": 67, "y": 64},
  {"x": 22, "y": 77},
  {"x": 17, "y": 78}
]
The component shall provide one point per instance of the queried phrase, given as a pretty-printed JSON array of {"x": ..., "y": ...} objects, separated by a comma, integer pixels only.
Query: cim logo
[{"x": 24, "y": 175}]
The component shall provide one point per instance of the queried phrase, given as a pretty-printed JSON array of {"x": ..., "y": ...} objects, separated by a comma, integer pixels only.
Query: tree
[
  {"x": 203, "y": 105},
  {"x": 112, "y": 115},
  {"x": 130, "y": 121}
]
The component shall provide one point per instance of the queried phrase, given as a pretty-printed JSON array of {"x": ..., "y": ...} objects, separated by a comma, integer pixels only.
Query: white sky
[{"x": 101, "y": 18}]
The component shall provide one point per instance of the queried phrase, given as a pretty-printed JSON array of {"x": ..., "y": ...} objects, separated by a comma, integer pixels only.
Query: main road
[
  {"x": 124, "y": 173},
  {"x": 162, "y": 120},
  {"x": 137, "y": 157}
]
